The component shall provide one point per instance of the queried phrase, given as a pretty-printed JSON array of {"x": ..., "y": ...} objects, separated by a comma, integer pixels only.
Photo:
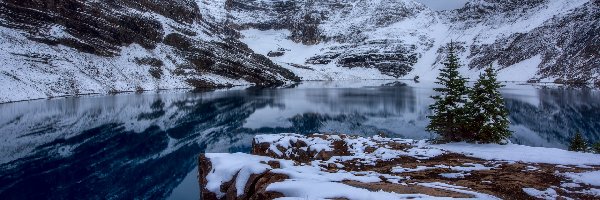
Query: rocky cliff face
[
  {"x": 534, "y": 39},
  {"x": 56, "y": 48},
  {"x": 568, "y": 43},
  {"x": 346, "y": 26}
]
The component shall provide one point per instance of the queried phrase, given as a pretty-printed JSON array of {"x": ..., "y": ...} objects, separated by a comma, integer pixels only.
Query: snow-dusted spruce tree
[
  {"x": 489, "y": 117},
  {"x": 449, "y": 118},
  {"x": 578, "y": 143},
  {"x": 596, "y": 147}
]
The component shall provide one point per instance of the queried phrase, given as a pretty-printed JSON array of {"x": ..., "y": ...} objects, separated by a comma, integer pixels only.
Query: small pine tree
[
  {"x": 596, "y": 147},
  {"x": 578, "y": 143},
  {"x": 449, "y": 116},
  {"x": 486, "y": 110}
]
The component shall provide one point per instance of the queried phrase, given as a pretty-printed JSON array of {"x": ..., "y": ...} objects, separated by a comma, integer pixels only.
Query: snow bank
[
  {"x": 330, "y": 190},
  {"x": 307, "y": 181},
  {"x": 590, "y": 178},
  {"x": 548, "y": 194},
  {"x": 513, "y": 152}
]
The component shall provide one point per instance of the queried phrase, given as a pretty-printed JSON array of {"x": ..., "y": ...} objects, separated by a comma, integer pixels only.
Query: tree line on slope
[{"x": 579, "y": 144}]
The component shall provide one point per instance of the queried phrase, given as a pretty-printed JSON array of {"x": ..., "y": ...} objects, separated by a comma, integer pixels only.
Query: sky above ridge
[{"x": 443, "y": 4}]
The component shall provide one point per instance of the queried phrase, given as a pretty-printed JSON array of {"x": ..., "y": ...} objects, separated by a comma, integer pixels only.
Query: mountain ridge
[
  {"x": 407, "y": 39},
  {"x": 74, "y": 47}
]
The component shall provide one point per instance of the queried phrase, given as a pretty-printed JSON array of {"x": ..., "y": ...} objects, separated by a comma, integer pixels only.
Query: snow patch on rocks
[
  {"x": 521, "y": 153},
  {"x": 548, "y": 194},
  {"x": 590, "y": 178},
  {"x": 322, "y": 166}
]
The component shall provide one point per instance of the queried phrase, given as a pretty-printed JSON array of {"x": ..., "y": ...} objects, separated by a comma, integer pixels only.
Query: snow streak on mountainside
[
  {"x": 532, "y": 39},
  {"x": 57, "y": 48}
]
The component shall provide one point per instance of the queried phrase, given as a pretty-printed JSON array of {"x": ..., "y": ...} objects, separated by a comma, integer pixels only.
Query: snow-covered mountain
[
  {"x": 529, "y": 40},
  {"x": 58, "y": 48}
]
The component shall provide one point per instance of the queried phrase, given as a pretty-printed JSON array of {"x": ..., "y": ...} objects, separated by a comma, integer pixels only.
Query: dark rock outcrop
[{"x": 97, "y": 27}]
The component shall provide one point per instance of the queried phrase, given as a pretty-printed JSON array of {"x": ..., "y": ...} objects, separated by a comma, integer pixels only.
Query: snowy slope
[
  {"x": 533, "y": 39},
  {"x": 51, "y": 49}
]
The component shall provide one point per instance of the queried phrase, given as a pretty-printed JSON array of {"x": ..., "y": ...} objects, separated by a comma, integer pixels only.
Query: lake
[{"x": 144, "y": 146}]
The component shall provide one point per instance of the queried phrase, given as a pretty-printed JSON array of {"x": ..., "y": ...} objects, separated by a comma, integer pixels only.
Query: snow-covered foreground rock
[{"x": 292, "y": 166}]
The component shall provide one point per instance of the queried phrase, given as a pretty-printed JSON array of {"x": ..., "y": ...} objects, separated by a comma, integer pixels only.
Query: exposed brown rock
[
  {"x": 204, "y": 168},
  {"x": 298, "y": 154},
  {"x": 274, "y": 164},
  {"x": 255, "y": 188},
  {"x": 260, "y": 186}
]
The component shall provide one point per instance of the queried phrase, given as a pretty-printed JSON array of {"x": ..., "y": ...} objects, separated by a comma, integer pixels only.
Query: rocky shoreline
[{"x": 350, "y": 167}]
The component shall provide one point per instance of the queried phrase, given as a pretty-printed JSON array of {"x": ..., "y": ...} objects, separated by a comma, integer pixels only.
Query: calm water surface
[{"x": 140, "y": 146}]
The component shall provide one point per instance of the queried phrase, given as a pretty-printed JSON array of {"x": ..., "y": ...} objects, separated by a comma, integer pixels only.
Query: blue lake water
[{"x": 144, "y": 146}]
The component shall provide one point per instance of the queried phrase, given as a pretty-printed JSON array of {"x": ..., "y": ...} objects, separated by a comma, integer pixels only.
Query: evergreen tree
[
  {"x": 486, "y": 110},
  {"x": 596, "y": 147},
  {"x": 578, "y": 143},
  {"x": 449, "y": 116}
]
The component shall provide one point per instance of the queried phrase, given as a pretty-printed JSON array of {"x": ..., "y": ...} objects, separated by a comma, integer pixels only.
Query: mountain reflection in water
[{"x": 145, "y": 145}]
